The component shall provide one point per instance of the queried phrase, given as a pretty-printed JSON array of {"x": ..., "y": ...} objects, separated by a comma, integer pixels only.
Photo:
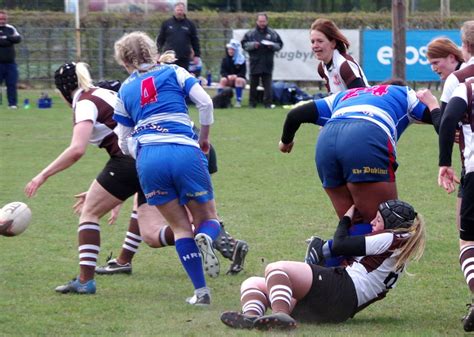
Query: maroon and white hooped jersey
[
  {"x": 374, "y": 274},
  {"x": 97, "y": 105},
  {"x": 343, "y": 70}
]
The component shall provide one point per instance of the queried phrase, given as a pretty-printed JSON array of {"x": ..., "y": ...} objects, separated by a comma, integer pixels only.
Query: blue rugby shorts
[
  {"x": 353, "y": 151},
  {"x": 170, "y": 171}
]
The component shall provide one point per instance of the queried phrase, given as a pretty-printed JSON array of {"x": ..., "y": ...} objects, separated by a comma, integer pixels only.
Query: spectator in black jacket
[
  {"x": 233, "y": 69},
  {"x": 261, "y": 43},
  {"x": 8, "y": 68},
  {"x": 179, "y": 34}
]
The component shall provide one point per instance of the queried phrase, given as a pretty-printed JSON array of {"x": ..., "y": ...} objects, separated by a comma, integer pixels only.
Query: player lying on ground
[{"x": 311, "y": 293}]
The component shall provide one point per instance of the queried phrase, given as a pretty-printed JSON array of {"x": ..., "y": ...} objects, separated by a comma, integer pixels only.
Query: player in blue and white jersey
[
  {"x": 356, "y": 150},
  {"x": 312, "y": 293},
  {"x": 171, "y": 164}
]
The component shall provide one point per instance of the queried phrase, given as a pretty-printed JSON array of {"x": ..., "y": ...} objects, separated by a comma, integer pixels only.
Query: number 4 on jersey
[{"x": 148, "y": 92}]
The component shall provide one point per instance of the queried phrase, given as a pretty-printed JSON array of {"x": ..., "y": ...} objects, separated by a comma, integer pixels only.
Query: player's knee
[
  {"x": 274, "y": 266},
  {"x": 151, "y": 241},
  {"x": 251, "y": 282}
]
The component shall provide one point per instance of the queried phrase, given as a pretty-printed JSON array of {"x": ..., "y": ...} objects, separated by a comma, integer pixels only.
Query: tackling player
[{"x": 313, "y": 293}]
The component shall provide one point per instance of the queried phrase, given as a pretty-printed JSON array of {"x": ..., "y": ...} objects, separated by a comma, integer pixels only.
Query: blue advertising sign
[{"x": 378, "y": 54}]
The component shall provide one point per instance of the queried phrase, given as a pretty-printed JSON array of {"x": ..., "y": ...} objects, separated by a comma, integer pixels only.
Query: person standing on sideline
[
  {"x": 9, "y": 36},
  {"x": 261, "y": 43},
  {"x": 233, "y": 70},
  {"x": 179, "y": 34}
]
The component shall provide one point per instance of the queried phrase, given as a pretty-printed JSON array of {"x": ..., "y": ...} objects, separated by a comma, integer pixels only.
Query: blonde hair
[
  {"x": 414, "y": 246},
  {"x": 467, "y": 35},
  {"x": 168, "y": 57},
  {"x": 442, "y": 47},
  {"x": 84, "y": 80},
  {"x": 135, "y": 49}
]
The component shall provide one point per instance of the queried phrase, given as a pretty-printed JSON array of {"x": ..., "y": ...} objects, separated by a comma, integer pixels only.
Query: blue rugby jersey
[
  {"x": 391, "y": 107},
  {"x": 159, "y": 114}
]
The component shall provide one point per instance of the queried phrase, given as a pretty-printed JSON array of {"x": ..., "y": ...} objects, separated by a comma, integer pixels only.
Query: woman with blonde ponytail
[
  {"x": 171, "y": 161},
  {"x": 313, "y": 293},
  {"x": 93, "y": 108}
]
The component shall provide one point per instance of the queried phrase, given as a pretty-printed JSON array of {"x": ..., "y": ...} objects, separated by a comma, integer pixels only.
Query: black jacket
[
  {"x": 8, "y": 37},
  {"x": 261, "y": 57},
  {"x": 180, "y": 36},
  {"x": 229, "y": 68}
]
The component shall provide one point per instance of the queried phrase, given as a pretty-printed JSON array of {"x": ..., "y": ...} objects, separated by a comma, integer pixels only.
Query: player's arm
[
  {"x": 74, "y": 152},
  {"x": 451, "y": 116},
  {"x": 206, "y": 114},
  {"x": 348, "y": 74},
  {"x": 306, "y": 113},
  {"x": 343, "y": 243}
]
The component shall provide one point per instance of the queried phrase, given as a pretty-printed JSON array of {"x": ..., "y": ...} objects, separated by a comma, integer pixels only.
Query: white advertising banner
[{"x": 295, "y": 61}]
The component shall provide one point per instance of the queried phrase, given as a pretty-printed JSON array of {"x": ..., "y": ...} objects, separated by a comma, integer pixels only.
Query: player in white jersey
[
  {"x": 374, "y": 118},
  {"x": 171, "y": 163},
  {"x": 339, "y": 70},
  {"x": 460, "y": 110},
  {"x": 93, "y": 109},
  {"x": 313, "y": 293}
]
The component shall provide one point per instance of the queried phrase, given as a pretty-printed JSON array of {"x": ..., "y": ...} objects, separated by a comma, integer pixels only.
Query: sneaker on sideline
[
  {"x": 76, "y": 287},
  {"x": 238, "y": 320},
  {"x": 12, "y": 107},
  {"x": 113, "y": 267},
  {"x": 237, "y": 104},
  {"x": 209, "y": 259}
]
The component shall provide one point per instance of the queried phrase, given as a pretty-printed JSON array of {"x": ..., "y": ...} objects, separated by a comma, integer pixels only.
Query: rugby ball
[{"x": 14, "y": 218}]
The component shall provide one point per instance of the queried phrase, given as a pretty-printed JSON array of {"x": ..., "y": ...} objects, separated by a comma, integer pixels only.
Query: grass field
[{"x": 272, "y": 200}]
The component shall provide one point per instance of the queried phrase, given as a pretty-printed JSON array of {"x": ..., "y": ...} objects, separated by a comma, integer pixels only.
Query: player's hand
[
  {"x": 285, "y": 148},
  {"x": 350, "y": 212},
  {"x": 81, "y": 198},
  {"x": 446, "y": 178},
  {"x": 205, "y": 146},
  {"x": 34, "y": 185},
  {"x": 426, "y": 97},
  {"x": 114, "y": 214}
]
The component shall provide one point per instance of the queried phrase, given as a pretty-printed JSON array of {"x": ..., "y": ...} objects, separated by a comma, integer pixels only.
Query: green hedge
[{"x": 212, "y": 19}]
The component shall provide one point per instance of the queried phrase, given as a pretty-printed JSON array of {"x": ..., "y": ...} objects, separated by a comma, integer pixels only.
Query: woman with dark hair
[{"x": 337, "y": 67}]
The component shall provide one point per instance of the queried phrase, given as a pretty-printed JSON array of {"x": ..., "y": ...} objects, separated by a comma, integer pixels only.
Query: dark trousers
[
  {"x": 267, "y": 88},
  {"x": 183, "y": 63},
  {"x": 9, "y": 74}
]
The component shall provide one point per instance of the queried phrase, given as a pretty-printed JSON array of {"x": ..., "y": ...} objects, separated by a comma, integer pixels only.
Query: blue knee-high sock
[
  {"x": 238, "y": 93},
  {"x": 211, "y": 227},
  {"x": 219, "y": 90},
  {"x": 356, "y": 229},
  {"x": 188, "y": 253}
]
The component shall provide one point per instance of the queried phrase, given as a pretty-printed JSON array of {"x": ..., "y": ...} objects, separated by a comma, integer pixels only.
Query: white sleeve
[
  {"x": 378, "y": 243},
  {"x": 451, "y": 83},
  {"x": 203, "y": 103},
  {"x": 85, "y": 110},
  {"x": 123, "y": 133}
]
